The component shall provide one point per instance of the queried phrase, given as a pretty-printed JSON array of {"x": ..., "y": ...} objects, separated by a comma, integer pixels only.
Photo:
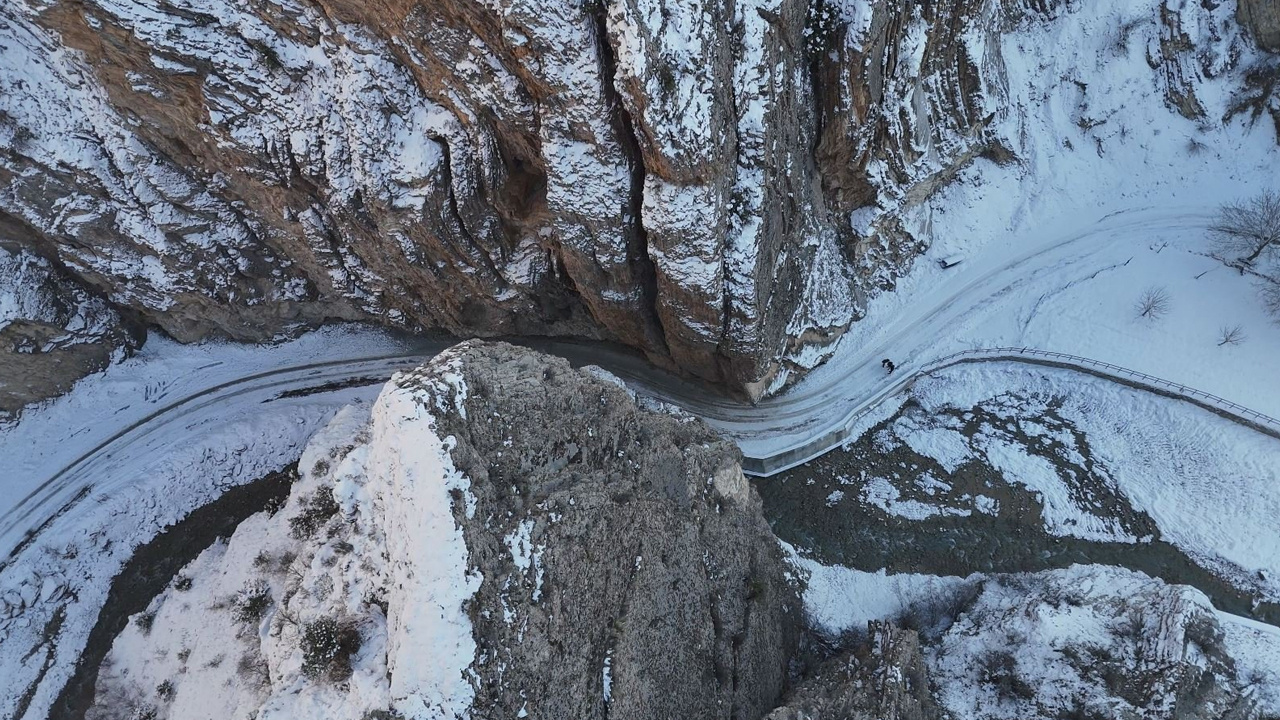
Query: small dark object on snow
[{"x": 887, "y": 364}]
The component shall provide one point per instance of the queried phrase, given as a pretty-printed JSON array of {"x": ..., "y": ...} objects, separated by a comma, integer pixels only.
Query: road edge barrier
[{"x": 843, "y": 431}]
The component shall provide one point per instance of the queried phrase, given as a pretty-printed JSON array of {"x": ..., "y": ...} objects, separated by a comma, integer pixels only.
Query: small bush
[
  {"x": 327, "y": 647},
  {"x": 253, "y": 668},
  {"x": 251, "y": 603},
  {"x": 1000, "y": 668},
  {"x": 1153, "y": 303},
  {"x": 184, "y": 654},
  {"x": 165, "y": 690},
  {"x": 144, "y": 621},
  {"x": 317, "y": 508},
  {"x": 146, "y": 712},
  {"x": 274, "y": 504},
  {"x": 182, "y": 583},
  {"x": 1231, "y": 335}
]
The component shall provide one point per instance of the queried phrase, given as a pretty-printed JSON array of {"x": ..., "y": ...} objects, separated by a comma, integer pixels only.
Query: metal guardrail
[{"x": 810, "y": 449}]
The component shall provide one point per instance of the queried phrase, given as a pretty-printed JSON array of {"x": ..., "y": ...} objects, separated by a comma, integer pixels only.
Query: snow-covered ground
[{"x": 1042, "y": 621}]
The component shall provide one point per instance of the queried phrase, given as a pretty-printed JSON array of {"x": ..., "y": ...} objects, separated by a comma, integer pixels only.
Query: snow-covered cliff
[
  {"x": 718, "y": 184},
  {"x": 453, "y": 552}
]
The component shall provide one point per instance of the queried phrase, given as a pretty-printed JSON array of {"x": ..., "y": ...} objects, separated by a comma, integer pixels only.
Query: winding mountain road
[
  {"x": 812, "y": 417},
  {"x": 774, "y": 434},
  {"x": 778, "y": 432}
]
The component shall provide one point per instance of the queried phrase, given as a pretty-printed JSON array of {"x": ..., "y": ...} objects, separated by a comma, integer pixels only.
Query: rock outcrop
[
  {"x": 503, "y": 537},
  {"x": 1089, "y": 641},
  {"x": 618, "y": 548},
  {"x": 884, "y": 678},
  {"x": 1262, "y": 17},
  {"x": 52, "y": 331}
]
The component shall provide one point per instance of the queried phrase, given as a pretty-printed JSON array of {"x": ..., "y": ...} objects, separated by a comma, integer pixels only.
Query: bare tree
[
  {"x": 1231, "y": 335},
  {"x": 1248, "y": 228},
  {"x": 1271, "y": 300},
  {"x": 1153, "y": 303}
]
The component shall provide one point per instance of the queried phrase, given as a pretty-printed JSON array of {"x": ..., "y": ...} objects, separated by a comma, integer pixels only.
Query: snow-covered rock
[
  {"x": 1089, "y": 641},
  {"x": 52, "y": 330},
  {"x": 500, "y": 536},
  {"x": 1085, "y": 641}
]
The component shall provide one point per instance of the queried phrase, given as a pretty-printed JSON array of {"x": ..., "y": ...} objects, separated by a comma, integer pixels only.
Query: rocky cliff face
[
  {"x": 52, "y": 331},
  {"x": 1262, "y": 17},
  {"x": 499, "y": 536},
  {"x": 718, "y": 184},
  {"x": 884, "y": 678}
]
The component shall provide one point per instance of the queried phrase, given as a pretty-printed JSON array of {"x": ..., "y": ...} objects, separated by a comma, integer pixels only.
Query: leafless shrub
[
  {"x": 1248, "y": 229},
  {"x": 999, "y": 669},
  {"x": 1120, "y": 41},
  {"x": 1271, "y": 299},
  {"x": 317, "y": 508},
  {"x": 1231, "y": 335},
  {"x": 253, "y": 668},
  {"x": 1195, "y": 146},
  {"x": 1153, "y": 303}
]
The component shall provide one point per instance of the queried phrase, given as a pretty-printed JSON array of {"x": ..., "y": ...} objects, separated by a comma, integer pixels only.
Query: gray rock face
[
  {"x": 52, "y": 331},
  {"x": 1262, "y": 18},
  {"x": 498, "y": 536},
  {"x": 627, "y": 546},
  {"x": 883, "y": 679}
]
